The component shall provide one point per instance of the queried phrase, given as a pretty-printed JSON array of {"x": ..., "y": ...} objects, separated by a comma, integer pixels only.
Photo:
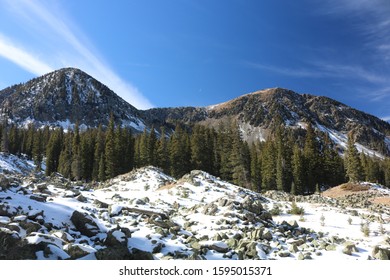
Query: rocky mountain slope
[
  {"x": 257, "y": 114},
  {"x": 64, "y": 97},
  {"x": 69, "y": 95},
  {"x": 146, "y": 214}
]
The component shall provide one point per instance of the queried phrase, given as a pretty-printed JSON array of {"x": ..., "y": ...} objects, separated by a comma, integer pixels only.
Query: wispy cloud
[
  {"x": 322, "y": 69},
  {"x": 285, "y": 71},
  {"x": 23, "y": 58},
  {"x": 72, "y": 48},
  {"x": 386, "y": 118},
  {"x": 371, "y": 18}
]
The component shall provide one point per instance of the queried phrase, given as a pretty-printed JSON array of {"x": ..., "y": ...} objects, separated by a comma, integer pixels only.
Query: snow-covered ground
[{"x": 196, "y": 217}]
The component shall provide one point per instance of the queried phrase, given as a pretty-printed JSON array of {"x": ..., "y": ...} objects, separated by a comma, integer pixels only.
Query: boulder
[
  {"x": 38, "y": 198},
  {"x": 381, "y": 253},
  {"x": 30, "y": 226},
  {"x": 349, "y": 248},
  {"x": 116, "y": 237},
  {"x": 81, "y": 198},
  {"x": 220, "y": 247},
  {"x": 252, "y": 204},
  {"x": 77, "y": 251},
  {"x": 284, "y": 254},
  {"x": 6, "y": 210},
  {"x": 210, "y": 209},
  {"x": 100, "y": 204},
  {"x": 84, "y": 224},
  {"x": 267, "y": 235}
]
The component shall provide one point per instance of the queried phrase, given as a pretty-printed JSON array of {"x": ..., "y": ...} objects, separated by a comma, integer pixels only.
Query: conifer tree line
[{"x": 300, "y": 165}]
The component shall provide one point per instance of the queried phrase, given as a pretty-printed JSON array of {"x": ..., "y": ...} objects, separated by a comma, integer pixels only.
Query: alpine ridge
[{"x": 69, "y": 95}]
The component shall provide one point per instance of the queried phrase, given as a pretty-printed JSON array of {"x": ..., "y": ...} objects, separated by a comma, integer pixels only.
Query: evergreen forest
[{"x": 299, "y": 162}]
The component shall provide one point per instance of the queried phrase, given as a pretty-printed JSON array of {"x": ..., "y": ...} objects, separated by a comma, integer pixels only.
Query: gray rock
[
  {"x": 157, "y": 249},
  {"x": 349, "y": 248},
  {"x": 81, "y": 198},
  {"x": 219, "y": 247},
  {"x": 210, "y": 209},
  {"x": 293, "y": 248},
  {"x": 284, "y": 254},
  {"x": 267, "y": 235},
  {"x": 38, "y": 198},
  {"x": 84, "y": 224},
  {"x": 381, "y": 253},
  {"x": 76, "y": 251},
  {"x": 331, "y": 247},
  {"x": 232, "y": 243},
  {"x": 100, "y": 204}
]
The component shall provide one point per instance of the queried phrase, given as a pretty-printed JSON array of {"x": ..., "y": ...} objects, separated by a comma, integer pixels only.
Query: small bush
[
  {"x": 365, "y": 229},
  {"x": 275, "y": 211},
  {"x": 322, "y": 219},
  {"x": 295, "y": 210},
  {"x": 381, "y": 229}
]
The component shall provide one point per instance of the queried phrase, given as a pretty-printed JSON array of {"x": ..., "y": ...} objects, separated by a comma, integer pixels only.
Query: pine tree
[
  {"x": 53, "y": 151},
  {"x": 5, "y": 138},
  {"x": 152, "y": 147},
  {"x": 240, "y": 160},
  {"x": 283, "y": 168},
  {"x": 98, "y": 152},
  {"x": 87, "y": 145},
  {"x": 311, "y": 154},
  {"x": 110, "y": 159},
  {"x": 387, "y": 172},
  {"x": 144, "y": 148},
  {"x": 199, "y": 153},
  {"x": 333, "y": 166},
  {"x": 162, "y": 152},
  {"x": 37, "y": 150},
  {"x": 353, "y": 166},
  {"x": 268, "y": 166},
  {"x": 102, "y": 169},
  {"x": 76, "y": 158},
  {"x": 255, "y": 168},
  {"x": 298, "y": 170},
  {"x": 65, "y": 161},
  {"x": 180, "y": 152}
]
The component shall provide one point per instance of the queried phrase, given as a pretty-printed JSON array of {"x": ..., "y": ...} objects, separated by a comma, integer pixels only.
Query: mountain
[
  {"x": 68, "y": 95},
  {"x": 64, "y": 97},
  {"x": 257, "y": 113},
  {"x": 146, "y": 214}
]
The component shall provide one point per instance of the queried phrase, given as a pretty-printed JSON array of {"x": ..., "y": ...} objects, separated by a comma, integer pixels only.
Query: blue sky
[{"x": 201, "y": 52}]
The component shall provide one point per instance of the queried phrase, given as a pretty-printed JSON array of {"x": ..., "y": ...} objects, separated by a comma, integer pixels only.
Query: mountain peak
[{"x": 64, "y": 97}]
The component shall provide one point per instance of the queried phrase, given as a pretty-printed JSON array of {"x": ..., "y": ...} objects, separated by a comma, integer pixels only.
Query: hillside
[
  {"x": 258, "y": 113},
  {"x": 146, "y": 214}
]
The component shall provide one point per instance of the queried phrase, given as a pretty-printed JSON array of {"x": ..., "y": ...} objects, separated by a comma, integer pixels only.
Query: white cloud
[
  {"x": 386, "y": 118},
  {"x": 71, "y": 48},
  {"x": 322, "y": 69},
  {"x": 23, "y": 58}
]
